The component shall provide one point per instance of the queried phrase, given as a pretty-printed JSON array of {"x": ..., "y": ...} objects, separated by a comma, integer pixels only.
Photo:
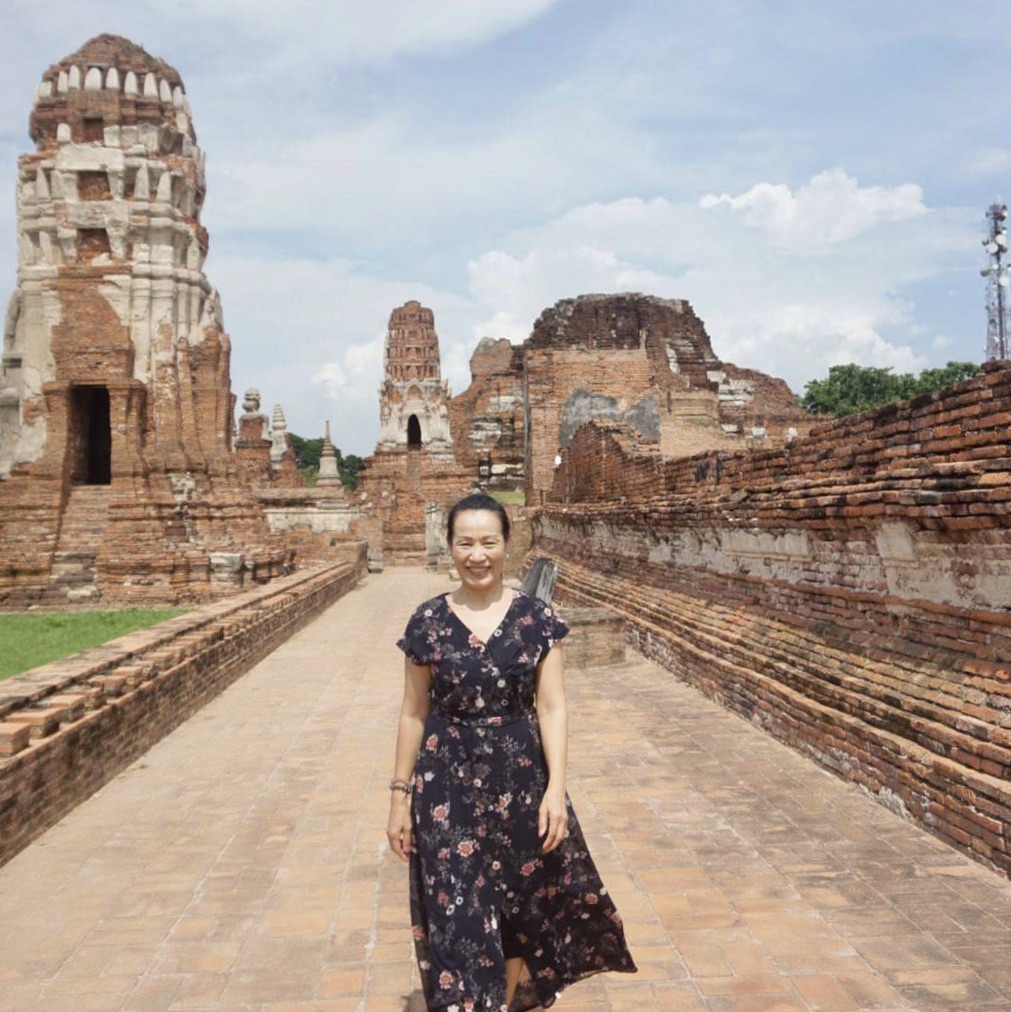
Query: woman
[{"x": 506, "y": 904}]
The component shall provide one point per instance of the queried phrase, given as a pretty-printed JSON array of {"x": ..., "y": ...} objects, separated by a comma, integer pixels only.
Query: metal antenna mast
[{"x": 998, "y": 303}]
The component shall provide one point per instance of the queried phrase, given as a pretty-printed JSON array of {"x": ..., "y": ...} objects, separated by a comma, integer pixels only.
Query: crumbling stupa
[{"x": 119, "y": 479}]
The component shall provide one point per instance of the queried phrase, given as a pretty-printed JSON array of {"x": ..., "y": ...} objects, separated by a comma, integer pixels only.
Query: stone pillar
[
  {"x": 435, "y": 535},
  {"x": 252, "y": 447}
]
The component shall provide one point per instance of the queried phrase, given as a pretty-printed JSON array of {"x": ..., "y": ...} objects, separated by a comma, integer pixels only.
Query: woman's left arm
[{"x": 552, "y": 718}]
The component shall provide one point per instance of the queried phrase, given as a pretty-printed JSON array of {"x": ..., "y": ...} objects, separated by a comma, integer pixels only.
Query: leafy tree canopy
[
  {"x": 849, "y": 389},
  {"x": 307, "y": 451}
]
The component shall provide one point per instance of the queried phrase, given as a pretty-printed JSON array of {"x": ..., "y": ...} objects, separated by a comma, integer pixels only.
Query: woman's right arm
[{"x": 413, "y": 714}]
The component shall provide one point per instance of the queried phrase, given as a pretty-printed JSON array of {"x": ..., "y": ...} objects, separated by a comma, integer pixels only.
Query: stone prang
[
  {"x": 413, "y": 474},
  {"x": 116, "y": 407},
  {"x": 113, "y": 317},
  {"x": 413, "y": 400}
]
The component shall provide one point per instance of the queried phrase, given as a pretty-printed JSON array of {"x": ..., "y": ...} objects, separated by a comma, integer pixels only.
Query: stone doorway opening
[
  {"x": 413, "y": 433},
  {"x": 90, "y": 436}
]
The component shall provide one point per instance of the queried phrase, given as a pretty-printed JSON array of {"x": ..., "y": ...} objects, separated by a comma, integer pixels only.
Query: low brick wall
[
  {"x": 850, "y": 594},
  {"x": 67, "y": 728}
]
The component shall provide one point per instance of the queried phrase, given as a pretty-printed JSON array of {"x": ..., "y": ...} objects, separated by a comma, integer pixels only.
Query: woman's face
[{"x": 478, "y": 549}]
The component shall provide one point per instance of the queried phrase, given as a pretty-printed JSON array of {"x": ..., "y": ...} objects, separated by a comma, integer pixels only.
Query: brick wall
[
  {"x": 648, "y": 362},
  {"x": 67, "y": 728},
  {"x": 850, "y": 593},
  {"x": 395, "y": 491},
  {"x": 553, "y": 376},
  {"x": 487, "y": 418}
]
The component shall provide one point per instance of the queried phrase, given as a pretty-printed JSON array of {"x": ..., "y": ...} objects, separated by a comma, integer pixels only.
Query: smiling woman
[{"x": 506, "y": 903}]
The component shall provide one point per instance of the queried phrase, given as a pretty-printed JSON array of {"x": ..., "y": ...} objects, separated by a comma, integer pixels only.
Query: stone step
[{"x": 73, "y": 572}]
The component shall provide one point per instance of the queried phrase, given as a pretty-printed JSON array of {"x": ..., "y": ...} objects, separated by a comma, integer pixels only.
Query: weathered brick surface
[
  {"x": 413, "y": 398},
  {"x": 56, "y": 750},
  {"x": 649, "y": 362},
  {"x": 405, "y": 496},
  {"x": 850, "y": 593},
  {"x": 487, "y": 418},
  {"x": 115, "y": 372}
]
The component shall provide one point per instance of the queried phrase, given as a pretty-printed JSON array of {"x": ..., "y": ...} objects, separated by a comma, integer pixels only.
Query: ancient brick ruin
[
  {"x": 119, "y": 478},
  {"x": 648, "y": 362},
  {"x": 849, "y": 592},
  {"x": 844, "y": 585},
  {"x": 414, "y": 398},
  {"x": 413, "y": 475},
  {"x": 263, "y": 446},
  {"x": 487, "y": 419},
  {"x": 632, "y": 357}
]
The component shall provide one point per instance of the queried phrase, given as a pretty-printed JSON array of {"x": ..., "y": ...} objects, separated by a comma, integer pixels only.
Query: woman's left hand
[{"x": 552, "y": 818}]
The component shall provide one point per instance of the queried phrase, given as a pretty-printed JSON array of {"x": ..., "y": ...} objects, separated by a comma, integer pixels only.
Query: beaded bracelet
[{"x": 401, "y": 785}]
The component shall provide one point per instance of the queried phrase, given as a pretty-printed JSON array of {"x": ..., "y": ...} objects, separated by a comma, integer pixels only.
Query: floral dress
[{"x": 481, "y": 889}]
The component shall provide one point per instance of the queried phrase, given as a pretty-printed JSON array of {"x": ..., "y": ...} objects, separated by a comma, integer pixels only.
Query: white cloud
[
  {"x": 767, "y": 303},
  {"x": 518, "y": 288},
  {"x": 832, "y": 208},
  {"x": 355, "y": 376}
]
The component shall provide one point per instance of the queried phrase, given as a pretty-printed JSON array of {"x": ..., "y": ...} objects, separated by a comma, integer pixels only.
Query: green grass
[
  {"x": 28, "y": 639},
  {"x": 514, "y": 498}
]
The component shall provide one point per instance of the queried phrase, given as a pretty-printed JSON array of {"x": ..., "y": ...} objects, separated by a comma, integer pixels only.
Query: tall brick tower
[
  {"x": 414, "y": 399},
  {"x": 413, "y": 476},
  {"x": 115, "y": 396}
]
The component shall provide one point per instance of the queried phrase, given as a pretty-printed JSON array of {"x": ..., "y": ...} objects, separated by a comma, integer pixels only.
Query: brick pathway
[{"x": 242, "y": 863}]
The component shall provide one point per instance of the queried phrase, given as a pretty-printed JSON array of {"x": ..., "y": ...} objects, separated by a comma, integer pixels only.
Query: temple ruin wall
[{"x": 850, "y": 593}]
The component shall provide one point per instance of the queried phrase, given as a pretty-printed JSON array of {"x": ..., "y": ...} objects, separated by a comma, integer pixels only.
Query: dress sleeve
[
  {"x": 415, "y": 642},
  {"x": 551, "y": 625}
]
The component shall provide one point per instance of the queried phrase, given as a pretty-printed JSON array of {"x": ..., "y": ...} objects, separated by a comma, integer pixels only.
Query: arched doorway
[
  {"x": 90, "y": 436},
  {"x": 413, "y": 433}
]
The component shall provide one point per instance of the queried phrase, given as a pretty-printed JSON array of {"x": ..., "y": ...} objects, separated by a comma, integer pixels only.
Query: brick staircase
[
  {"x": 926, "y": 735},
  {"x": 74, "y": 560}
]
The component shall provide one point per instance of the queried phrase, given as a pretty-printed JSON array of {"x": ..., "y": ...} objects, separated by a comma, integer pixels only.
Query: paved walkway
[{"x": 242, "y": 863}]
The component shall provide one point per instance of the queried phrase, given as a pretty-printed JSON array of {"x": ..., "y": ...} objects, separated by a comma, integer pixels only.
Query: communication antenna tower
[{"x": 998, "y": 302}]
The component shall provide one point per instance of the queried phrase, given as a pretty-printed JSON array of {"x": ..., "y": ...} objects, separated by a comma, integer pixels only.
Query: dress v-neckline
[{"x": 491, "y": 635}]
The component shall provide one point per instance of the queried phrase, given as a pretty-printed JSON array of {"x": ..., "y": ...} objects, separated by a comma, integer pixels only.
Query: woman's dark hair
[{"x": 478, "y": 501}]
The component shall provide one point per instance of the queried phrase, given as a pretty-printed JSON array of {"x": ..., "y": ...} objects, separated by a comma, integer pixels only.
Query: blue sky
[{"x": 812, "y": 177}]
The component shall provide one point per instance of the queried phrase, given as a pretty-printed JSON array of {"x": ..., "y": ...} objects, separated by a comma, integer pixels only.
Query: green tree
[
  {"x": 307, "y": 451},
  {"x": 849, "y": 389},
  {"x": 953, "y": 372},
  {"x": 349, "y": 467}
]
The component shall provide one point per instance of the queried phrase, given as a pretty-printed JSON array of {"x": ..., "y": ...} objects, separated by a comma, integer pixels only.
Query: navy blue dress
[{"x": 481, "y": 889}]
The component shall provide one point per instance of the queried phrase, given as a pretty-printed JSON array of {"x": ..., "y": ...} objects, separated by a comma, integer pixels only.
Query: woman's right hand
[{"x": 398, "y": 829}]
